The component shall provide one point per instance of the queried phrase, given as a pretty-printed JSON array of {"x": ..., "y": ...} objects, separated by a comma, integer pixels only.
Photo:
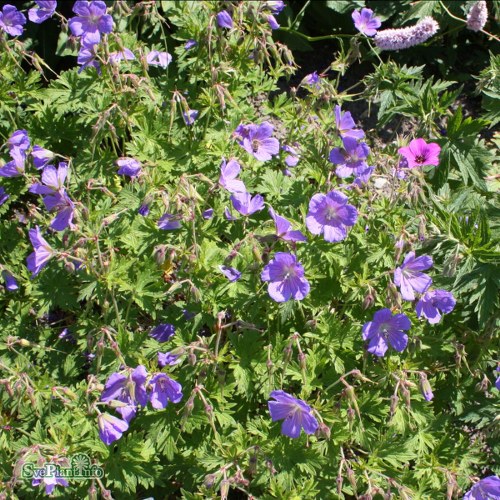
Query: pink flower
[{"x": 419, "y": 154}]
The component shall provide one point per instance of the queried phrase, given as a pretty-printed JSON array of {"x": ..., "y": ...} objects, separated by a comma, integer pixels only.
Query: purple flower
[
  {"x": 362, "y": 178},
  {"x": 162, "y": 332},
  {"x": 345, "y": 125},
  {"x": 208, "y": 213},
  {"x": 10, "y": 282},
  {"x": 168, "y": 222},
  {"x": 127, "y": 389},
  {"x": 292, "y": 158},
  {"x": 295, "y": 413},
  {"x": 156, "y": 58},
  {"x": 15, "y": 167},
  {"x": 19, "y": 140},
  {"x": 190, "y": 44},
  {"x": 386, "y": 329},
  {"x": 11, "y": 20},
  {"x": 3, "y": 196},
  {"x": 228, "y": 173},
  {"x": 433, "y": 303},
  {"x": 87, "y": 57},
  {"x": 52, "y": 180},
  {"x": 41, "y": 157},
  {"x": 351, "y": 158},
  {"x": 44, "y": 11},
  {"x": 143, "y": 210},
  {"x": 38, "y": 259},
  {"x": 167, "y": 358},
  {"x": 276, "y": 6},
  {"x": 51, "y": 481},
  {"x": 273, "y": 24},
  {"x": 224, "y": 19},
  {"x": 283, "y": 228},
  {"x": 409, "y": 276},
  {"x": 164, "y": 389},
  {"x": 65, "y": 208},
  {"x": 245, "y": 204},
  {"x": 129, "y": 167},
  {"x": 419, "y": 154},
  {"x": 403, "y": 38},
  {"x": 91, "y": 21},
  {"x": 497, "y": 381},
  {"x": 312, "y": 79},
  {"x": 286, "y": 277},
  {"x": 330, "y": 214},
  {"x": 110, "y": 428},
  {"x": 366, "y": 22},
  {"x": 230, "y": 273},
  {"x": 116, "y": 57},
  {"x": 55, "y": 197},
  {"x": 486, "y": 489},
  {"x": 228, "y": 215},
  {"x": 257, "y": 140},
  {"x": 477, "y": 16},
  {"x": 190, "y": 116}
]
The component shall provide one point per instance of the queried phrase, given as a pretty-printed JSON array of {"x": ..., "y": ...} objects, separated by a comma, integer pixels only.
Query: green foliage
[{"x": 115, "y": 275}]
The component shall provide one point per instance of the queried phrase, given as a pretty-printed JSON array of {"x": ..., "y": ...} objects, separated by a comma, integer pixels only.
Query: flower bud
[
  {"x": 425, "y": 387},
  {"x": 369, "y": 299},
  {"x": 287, "y": 353},
  {"x": 209, "y": 481},
  {"x": 224, "y": 489},
  {"x": 339, "y": 482},
  {"x": 252, "y": 465},
  {"x": 406, "y": 395},
  {"x": 24, "y": 343},
  {"x": 302, "y": 360},
  {"x": 323, "y": 431},
  {"x": 192, "y": 358},
  {"x": 349, "y": 391},
  {"x": 159, "y": 254},
  {"x": 257, "y": 255},
  {"x": 394, "y": 404},
  {"x": 352, "y": 479}
]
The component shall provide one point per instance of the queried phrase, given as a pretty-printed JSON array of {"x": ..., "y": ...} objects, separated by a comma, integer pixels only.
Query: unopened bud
[
  {"x": 302, "y": 360},
  {"x": 24, "y": 342},
  {"x": 406, "y": 395},
  {"x": 369, "y": 299},
  {"x": 192, "y": 358},
  {"x": 394, "y": 404},
  {"x": 339, "y": 482},
  {"x": 257, "y": 255},
  {"x": 323, "y": 431},
  {"x": 349, "y": 391},
  {"x": 287, "y": 353},
  {"x": 351, "y": 415},
  {"x": 425, "y": 387},
  {"x": 352, "y": 479},
  {"x": 252, "y": 465},
  {"x": 92, "y": 491},
  {"x": 209, "y": 481},
  {"x": 159, "y": 254},
  {"x": 224, "y": 489}
]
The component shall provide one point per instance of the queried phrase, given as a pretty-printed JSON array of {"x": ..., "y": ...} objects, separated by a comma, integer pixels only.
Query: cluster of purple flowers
[
  {"x": 267, "y": 10},
  {"x": 126, "y": 391},
  {"x": 351, "y": 158},
  {"x": 386, "y": 328}
]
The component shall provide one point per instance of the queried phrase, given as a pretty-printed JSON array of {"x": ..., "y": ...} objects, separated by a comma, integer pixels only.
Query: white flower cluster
[
  {"x": 406, "y": 37},
  {"x": 477, "y": 16}
]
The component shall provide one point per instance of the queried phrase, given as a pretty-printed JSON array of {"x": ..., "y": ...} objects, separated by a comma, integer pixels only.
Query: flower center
[
  {"x": 289, "y": 272},
  {"x": 331, "y": 213},
  {"x": 255, "y": 145},
  {"x": 420, "y": 159}
]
